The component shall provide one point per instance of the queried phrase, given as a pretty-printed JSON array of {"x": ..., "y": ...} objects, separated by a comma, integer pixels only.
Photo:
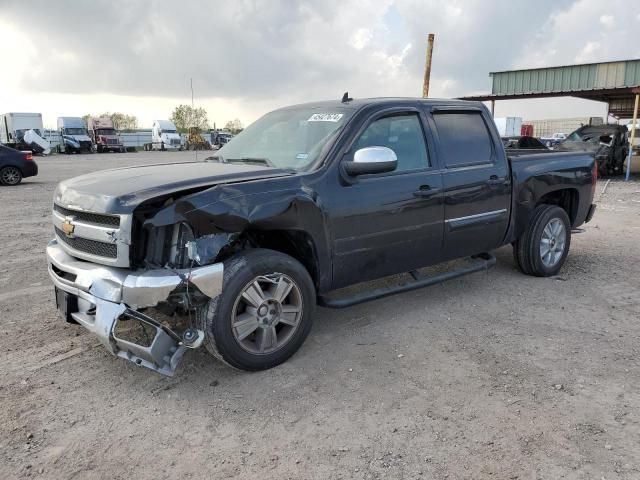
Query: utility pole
[
  {"x": 427, "y": 67},
  {"x": 633, "y": 131}
]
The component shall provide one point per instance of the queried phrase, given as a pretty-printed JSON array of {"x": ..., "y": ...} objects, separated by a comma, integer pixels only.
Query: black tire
[
  {"x": 215, "y": 319},
  {"x": 10, "y": 176},
  {"x": 527, "y": 249}
]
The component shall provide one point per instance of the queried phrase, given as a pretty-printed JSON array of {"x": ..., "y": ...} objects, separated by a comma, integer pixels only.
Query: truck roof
[
  {"x": 73, "y": 122},
  {"x": 98, "y": 123},
  {"x": 358, "y": 103},
  {"x": 166, "y": 124},
  {"x": 21, "y": 114}
]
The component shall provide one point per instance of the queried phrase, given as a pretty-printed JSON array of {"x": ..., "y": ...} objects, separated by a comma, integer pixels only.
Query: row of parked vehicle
[{"x": 24, "y": 131}]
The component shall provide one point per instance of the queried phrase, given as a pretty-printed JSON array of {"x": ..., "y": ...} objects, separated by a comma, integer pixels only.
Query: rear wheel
[
  {"x": 10, "y": 176},
  {"x": 264, "y": 312},
  {"x": 543, "y": 247}
]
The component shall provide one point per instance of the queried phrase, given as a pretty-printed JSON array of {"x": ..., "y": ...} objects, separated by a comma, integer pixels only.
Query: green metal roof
[
  {"x": 616, "y": 83},
  {"x": 571, "y": 78}
]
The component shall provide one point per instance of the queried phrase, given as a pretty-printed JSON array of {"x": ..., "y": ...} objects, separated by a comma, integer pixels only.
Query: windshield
[
  {"x": 106, "y": 131},
  {"x": 75, "y": 131},
  {"x": 289, "y": 138},
  {"x": 168, "y": 131}
]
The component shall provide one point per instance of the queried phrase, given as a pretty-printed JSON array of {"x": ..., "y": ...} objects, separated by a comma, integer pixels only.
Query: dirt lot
[{"x": 494, "y": 375}]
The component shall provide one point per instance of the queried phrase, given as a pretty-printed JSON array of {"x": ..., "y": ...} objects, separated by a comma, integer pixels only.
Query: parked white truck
[
  {"x": 23, "y": 131},
  {"x": 73, "y": 136},
  {"x": 164, "y": 136}
]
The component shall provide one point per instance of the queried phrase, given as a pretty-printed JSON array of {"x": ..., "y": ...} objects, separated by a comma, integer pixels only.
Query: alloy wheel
[
  {"x": 10, "y": 176},
  {"x": 552, "y": 243},
  {"x": 267, "y": 313}
]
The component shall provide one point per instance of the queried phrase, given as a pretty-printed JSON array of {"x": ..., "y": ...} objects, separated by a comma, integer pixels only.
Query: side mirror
[{"x": 371, "y": 160}]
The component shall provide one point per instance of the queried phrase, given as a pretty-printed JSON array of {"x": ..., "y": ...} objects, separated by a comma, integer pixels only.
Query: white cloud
[
  {"x": 246, "y": 57},
  {"x": 589, "y": 53},
  {"x": 607, "y": 20},
  {"x": 581, "y": 33},
  {"x": 361, "y": 38}
]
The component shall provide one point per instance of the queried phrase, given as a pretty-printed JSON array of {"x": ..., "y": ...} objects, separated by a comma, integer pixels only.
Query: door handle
[
  {"x": 495, "y": 180},
  {"x": 425, "y": 191}
]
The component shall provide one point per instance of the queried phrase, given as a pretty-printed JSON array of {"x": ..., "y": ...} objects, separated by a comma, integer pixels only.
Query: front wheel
[
  {"x": 264, "y": 312},
  {"x": 543, "y": 247}
]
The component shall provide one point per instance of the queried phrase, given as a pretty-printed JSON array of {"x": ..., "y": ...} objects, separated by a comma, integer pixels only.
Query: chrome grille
[
  {"x": 89, "y": 217},
  {"x": 92, "y": 247},
  {"x": 113, "y": 141},
  {"x": 97, "y": 237}
]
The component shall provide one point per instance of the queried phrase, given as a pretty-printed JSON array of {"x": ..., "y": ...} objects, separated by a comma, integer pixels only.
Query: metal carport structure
[{"x": 615, "y": 83}]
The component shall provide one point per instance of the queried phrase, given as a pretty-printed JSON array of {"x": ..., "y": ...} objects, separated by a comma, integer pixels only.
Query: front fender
[{"x": 235, "y": 212}]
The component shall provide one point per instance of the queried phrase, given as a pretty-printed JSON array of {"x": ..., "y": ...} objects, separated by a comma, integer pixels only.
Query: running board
[{"x": 481, "y": 262}]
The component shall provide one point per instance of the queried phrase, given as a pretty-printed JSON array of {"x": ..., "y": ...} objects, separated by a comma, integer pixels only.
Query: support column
[
  {"x": 493, "y": 108},
  {"x": 427, "y": 66},
  {"x": 633, "y": 133}
]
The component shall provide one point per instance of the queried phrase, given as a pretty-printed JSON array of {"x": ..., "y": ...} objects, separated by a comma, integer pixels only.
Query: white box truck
[
  {"x": 74, "y": 137},
  {"x": 164, "y": 136},
  {"x": 23, "y": 131},
  {"x": 509, "y": 126}
]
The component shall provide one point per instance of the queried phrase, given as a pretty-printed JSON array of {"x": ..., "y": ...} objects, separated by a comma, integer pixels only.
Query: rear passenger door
[{"x": 476, "y": 181}]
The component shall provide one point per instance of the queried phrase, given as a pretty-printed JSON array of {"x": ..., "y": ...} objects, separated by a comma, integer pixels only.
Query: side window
[
  {"x": 464, "y": 138},
  {"x": 402, "y": 134}
]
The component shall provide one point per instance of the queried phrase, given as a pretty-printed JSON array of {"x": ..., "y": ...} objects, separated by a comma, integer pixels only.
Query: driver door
[{"x": 393, "y": 222}]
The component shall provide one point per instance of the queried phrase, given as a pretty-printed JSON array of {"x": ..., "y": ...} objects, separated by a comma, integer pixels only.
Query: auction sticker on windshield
[{"x": 325, "y": 117}]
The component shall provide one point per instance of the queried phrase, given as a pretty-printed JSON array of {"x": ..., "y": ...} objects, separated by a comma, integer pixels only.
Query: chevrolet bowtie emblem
[{"x": 68, "y": 227}]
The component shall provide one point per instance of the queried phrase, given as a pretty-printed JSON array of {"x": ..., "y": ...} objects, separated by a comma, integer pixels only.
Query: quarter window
[
  {"x": 464, "y": 139},
  {"x": 402, "y": 134}
]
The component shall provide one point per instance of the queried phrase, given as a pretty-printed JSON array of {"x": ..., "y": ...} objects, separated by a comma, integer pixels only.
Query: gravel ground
[{"x": 494, "y": 375}]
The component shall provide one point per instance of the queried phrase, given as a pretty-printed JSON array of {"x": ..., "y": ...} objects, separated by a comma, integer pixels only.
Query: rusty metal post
[
  {"x": 633, "y": 133},
  {"x": 427, "y": 67}
]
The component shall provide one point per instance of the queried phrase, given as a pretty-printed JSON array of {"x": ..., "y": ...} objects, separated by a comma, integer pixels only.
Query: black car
[
  {"x": 523, "y": 142},
  {"x": 16, "y": 165}
]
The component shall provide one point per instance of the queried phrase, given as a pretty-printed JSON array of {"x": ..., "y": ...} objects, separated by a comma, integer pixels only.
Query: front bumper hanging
[{"x": 104, "y": 296}]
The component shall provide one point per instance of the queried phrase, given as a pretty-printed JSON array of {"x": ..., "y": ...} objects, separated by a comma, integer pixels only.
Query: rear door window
[{"x": 464, "y": 138}]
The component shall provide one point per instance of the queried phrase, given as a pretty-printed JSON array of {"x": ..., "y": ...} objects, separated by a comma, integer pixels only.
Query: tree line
[
  {"x": 186, "y": 116},
  {"x": 183, "y": 116}
]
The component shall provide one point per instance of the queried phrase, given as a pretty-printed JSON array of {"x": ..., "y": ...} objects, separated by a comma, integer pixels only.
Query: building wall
[{"x": 546, "y": 128}]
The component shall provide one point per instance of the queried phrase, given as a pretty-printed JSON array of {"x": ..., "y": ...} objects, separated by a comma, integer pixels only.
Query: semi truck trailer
[
  {"x": 74, "y": 137},
  {"x": 104, "y": 135},
  {"x": 164, "y": 136}
]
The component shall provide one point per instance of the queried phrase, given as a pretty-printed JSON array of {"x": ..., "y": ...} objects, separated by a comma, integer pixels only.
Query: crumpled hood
[{"x": 121, "y": 190}]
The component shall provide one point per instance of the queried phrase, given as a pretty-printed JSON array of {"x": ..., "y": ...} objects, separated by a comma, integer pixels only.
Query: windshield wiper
[{"x": 253, "y": 160}]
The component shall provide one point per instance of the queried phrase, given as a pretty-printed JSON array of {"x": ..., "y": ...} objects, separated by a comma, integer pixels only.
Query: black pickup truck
[{"x": 233, "y": 253}]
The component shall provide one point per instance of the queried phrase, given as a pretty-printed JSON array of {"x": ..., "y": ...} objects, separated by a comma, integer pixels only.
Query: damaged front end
[{"x": 115, "y": 305}]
